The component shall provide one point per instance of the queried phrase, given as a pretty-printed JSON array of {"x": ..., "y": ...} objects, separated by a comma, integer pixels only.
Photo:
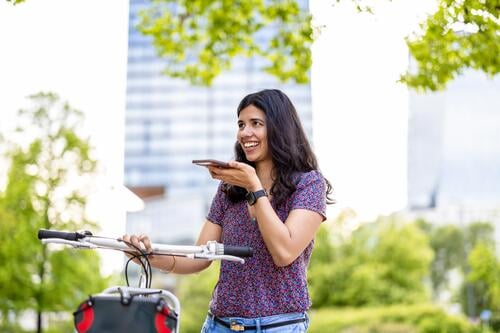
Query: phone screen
[{"x": 212, "y": 162}]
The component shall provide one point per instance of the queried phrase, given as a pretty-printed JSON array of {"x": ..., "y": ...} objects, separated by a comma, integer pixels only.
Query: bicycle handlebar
[
  {"x": 238, "y": 251},
  {"x": 210, "y": 251},
  {"x": 72, "y": 236}
]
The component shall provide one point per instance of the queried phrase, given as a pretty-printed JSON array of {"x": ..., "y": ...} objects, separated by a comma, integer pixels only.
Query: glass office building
[
  {"x": 454, "y": 150},
  {"x": 169, "y": 122}
]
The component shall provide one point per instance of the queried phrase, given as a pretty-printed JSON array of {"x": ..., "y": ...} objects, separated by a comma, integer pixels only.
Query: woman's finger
[
  {"x": 147, "y": 244},
  {"x": 212, "y": 170},
  {"x": 129, "y": 241},
  {"x": 137, "y": 242},
  {"x": 133, "y": 252}
]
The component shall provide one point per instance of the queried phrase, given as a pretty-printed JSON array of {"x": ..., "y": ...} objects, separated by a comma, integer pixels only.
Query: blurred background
[{"x": 105, "y": 104}]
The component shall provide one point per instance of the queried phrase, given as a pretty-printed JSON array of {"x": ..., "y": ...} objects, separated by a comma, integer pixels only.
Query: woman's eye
[{"x": 241, "y": 125}]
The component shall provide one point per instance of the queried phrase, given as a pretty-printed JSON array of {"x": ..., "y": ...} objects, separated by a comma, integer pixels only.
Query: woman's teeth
[{"x": 250, "y": 144}]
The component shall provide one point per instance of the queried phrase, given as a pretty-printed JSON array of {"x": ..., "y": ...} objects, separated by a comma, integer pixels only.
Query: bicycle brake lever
[
  {"x": 219, "y": 256},
  {"x": 68, "y": 242}
]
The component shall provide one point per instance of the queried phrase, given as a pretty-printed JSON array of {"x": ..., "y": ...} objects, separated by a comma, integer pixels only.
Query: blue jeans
[{"x": 212, "y": 326}]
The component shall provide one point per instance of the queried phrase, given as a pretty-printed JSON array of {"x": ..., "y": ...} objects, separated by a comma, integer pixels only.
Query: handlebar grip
[
  {"x": 73, "y": 236},
  {"x": 238, "y": 251}
]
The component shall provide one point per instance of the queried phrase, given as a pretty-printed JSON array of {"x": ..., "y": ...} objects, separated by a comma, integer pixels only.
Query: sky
[
  {"x": 78, "y": 49},
  {"x": 360, "y": 112}
]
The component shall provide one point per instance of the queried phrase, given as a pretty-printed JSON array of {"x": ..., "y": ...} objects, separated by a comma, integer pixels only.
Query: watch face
[
  {"x": 253, "y": 196},
  {"x": 250, "y": 198}
]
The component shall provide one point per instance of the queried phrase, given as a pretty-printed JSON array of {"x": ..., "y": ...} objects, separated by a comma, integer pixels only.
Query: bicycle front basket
[{"x": 116, "y": 314}]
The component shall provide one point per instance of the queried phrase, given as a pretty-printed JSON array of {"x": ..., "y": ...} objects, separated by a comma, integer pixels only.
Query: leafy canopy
[
  {"x": 485, "y": 273},
  {"x": 459, "y": 35},
  {"x": 198, "y": 39}
]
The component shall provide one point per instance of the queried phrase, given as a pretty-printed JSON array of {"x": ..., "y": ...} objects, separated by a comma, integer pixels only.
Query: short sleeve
[
  {"x": 217, "y": 209},
  {"x": 310, "y": 193}
]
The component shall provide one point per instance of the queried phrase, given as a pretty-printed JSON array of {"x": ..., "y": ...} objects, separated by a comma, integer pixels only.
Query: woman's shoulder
[
  {"x": 310, "y": 192},
  {"x": 308, "y": 177}
]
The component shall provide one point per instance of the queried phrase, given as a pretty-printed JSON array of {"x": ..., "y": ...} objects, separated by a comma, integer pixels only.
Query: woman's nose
[{"x": 246, "y": 131}]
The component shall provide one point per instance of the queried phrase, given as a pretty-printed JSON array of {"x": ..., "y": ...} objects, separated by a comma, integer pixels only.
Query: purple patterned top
[{"x": 260, "y": 288}]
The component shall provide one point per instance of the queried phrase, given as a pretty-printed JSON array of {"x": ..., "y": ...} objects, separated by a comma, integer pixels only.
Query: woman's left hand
[{"x": 239, "y": 174}]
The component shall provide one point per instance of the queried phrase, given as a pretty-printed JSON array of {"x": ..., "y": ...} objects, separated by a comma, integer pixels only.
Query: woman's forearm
[
  {"x": 179, "y": 265},
  {"x": 286, "y": 241},
  {"x": 274, "y": 232}
]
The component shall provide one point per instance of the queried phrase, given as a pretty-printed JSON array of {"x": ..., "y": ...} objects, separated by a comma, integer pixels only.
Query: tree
[
  {"x": 459, "y": 35},
  {"x": 384, "y": 262},
  {"x": 45, "y": 189},
  {"x": 199, "y": 39},
  {"x": 448, "y": 244},
  {"x": 464, "y": 249},
  {"x": 485, "y": 273},
  {"x": 15, "y": 274}
]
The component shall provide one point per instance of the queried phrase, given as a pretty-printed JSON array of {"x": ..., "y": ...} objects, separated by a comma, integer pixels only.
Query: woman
[{"x": 273, "y": 199}]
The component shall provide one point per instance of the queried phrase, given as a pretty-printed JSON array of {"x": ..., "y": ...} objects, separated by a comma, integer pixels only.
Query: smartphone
[{"x": 211, "y": 162}]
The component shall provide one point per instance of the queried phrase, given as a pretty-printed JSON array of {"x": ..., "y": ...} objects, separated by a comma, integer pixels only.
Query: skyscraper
[{"x": 454, "y": 149}]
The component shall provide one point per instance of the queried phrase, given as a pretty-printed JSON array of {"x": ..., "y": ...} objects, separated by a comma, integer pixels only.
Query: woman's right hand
[
  {"x": 239, "y": 174},
  {"x": 139, "y": 241},
  {"x": 144, "y": 243}
]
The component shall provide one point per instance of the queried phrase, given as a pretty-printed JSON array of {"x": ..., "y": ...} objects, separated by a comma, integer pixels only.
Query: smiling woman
[{"x": 272, "y": 198}]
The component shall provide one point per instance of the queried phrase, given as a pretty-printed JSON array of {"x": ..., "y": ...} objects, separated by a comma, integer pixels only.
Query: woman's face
[{"x": 252, "y": 134}]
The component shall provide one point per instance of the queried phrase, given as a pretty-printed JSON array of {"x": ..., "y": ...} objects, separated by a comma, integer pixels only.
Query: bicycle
[{"x": 142, "y": 308}]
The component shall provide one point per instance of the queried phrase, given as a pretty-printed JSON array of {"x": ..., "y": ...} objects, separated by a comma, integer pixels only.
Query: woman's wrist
[
  {"x": 255, "y": 186},
  {"x": 169, "y": 267}
]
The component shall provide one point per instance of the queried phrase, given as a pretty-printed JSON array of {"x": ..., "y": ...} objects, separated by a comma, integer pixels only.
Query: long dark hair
[{"x": 290, "y": 150}]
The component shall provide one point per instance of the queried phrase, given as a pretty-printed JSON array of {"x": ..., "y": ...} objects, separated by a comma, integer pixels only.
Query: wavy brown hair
[{"x": 290, "y": 150}]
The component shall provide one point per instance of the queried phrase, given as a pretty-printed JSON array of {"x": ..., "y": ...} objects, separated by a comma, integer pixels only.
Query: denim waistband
[{"x": 240, "y": 324}]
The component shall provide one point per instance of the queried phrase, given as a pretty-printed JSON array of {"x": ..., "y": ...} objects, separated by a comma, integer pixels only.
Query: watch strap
[{"x": 252, "y": 197}]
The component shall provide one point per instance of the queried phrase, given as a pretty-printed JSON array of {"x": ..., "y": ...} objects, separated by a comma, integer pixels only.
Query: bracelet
[{"x": 171, "y": 269}]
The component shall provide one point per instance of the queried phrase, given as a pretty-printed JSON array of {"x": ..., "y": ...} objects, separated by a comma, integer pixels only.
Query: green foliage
[
  {"x": 48, "y": 166},
  {"x": 421, "y": 318},
  {"x": 448, "y": 244},
  {"x": 384, "y": 262},
  {"x": 465, "y": 249},
  {"x": 15, "y": 274},
  {"x": 485, "y": 274},
  {"x": 198, "y": 39},
  {"x": 459, "y": 35},
  {"x": 195, "y": 292}
]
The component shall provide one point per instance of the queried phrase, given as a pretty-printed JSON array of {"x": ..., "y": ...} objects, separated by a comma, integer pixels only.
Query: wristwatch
[{"x": 253, "y": 196}]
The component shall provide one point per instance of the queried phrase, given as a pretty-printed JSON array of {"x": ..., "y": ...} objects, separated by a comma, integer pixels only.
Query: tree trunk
[
  {"x": 39, "y": 298},
  {"x": 39, "y": 321}
]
